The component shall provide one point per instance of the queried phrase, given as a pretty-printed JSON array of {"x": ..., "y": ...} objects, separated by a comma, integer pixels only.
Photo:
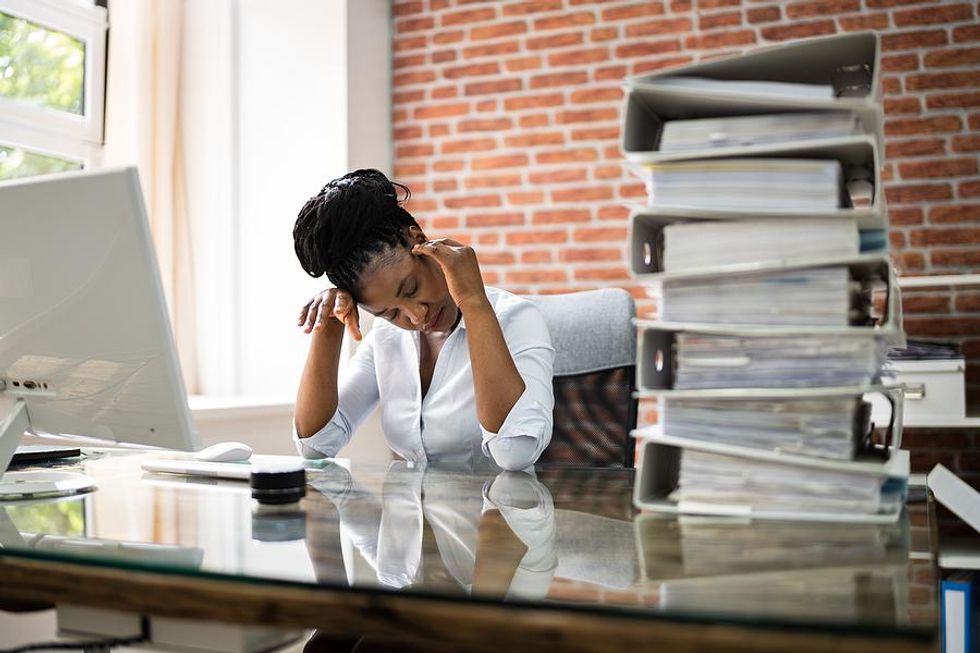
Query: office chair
[{"x": 594, "y": 377}]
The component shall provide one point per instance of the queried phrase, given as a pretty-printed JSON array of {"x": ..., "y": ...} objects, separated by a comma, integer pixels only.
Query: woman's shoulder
[{"x": 513, "y": 308}]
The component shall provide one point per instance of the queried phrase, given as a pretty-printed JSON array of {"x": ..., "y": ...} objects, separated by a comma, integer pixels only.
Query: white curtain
[{"x": 144, "y": 117}]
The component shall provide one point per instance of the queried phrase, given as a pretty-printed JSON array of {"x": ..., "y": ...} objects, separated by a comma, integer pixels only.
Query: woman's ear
[{"x": 415, "y": 235}]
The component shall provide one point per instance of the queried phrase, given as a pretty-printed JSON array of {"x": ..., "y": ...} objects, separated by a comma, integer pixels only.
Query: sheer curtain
[{"x": 144, "y": 118}]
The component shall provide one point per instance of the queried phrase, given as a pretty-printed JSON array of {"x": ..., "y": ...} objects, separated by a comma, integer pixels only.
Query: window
[{"x": 52, "y": 85}]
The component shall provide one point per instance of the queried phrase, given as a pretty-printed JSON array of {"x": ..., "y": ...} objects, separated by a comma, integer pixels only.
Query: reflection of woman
[{"x": 461, "y": 371}]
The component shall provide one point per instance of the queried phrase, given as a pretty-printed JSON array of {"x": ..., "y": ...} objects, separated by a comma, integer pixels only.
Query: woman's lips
[{"x": 434, "y": 322}]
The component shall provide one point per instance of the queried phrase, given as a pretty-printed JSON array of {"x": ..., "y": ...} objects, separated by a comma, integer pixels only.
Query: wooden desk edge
[{"x": 472, "y": 626}]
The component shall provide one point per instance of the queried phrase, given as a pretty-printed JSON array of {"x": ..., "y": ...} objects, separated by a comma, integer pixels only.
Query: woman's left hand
[{"x": 459, "y": 265}]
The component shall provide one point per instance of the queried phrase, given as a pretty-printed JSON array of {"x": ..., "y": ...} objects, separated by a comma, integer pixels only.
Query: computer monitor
[{"x": 86, "y": 347}]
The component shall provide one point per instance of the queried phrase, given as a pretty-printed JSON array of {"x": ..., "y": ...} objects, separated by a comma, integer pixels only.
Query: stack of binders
[{"x": 765, "y": 239}]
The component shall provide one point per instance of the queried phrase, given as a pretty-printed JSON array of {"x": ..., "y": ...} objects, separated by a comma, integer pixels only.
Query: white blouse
[{"x": 443, "y": 425}]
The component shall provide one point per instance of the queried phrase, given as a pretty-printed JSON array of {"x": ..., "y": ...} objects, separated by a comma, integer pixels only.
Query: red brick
[
  {"x": 660, "y": 26},
  {"x": 442, "y": 111},
  {"x": 969, "y": 143},
  {"x": 602, "y": 274},
  {"x": 444, "y": 92},
  {"x": 403, "y": 170},
  {"x": 415, "y": 150},
  {"x": 591, "y": 254},
  {"x": 498, "y": 30},
  {"x": 966, "y": 167},
  {"x": 406, "y": 8},
  {"x": 614, "y": 212},
  {"x": 926, "y": 147},
  {"x": 414, "y": 77},
  {"x": 891, "y": 85},
  {"x": 447, "y": 37},
  {"x": 932, "y": 15},
  {"x": 605, "y": 94},
  {"x": 560, "y": 216},
  {"x": 526, "y": 197},
  {"x": 472, "y": 70},
  {"x": 911, "y": 261},
  {"x": 415, "y": 24},
  {"x": 523, "y": 63},
  {"x": 953, "y": 100},
  {"x": 968, "y": 302},
  {"x": 974, "y": 121},
  {"x": 439, "y": 5},
  {"x": 408, "y": 61},
  {"x": 968, "y": 189},
  {"x": 763, "y": 14},
  {"x": 932, "y": 327},
  {"x": 407, "y": 133},
  {"x": 599, "y": 234},
  {"x": 717, "y": 4},
  {"x": 597, "y": 134},
  {"x": 492, "y": 49},
  {"x": 494, "y": 220},
  {"x": 613, "y": 152},
  {"x": 966, "y": 34},
  {"x": 637, "y": 10},
  {"x": 905, "y": 216},
  {"x": 572, "y": 20},
  {"x": 927, "y": 81},
  {"x": 918, "y": 193},
  {"x": 719, "y": 40},
  {"x": 496, "y": 86},
  {"x": 647, "y": 66},
  {"x": 600, "y": 172},
  {"x": 418, "y": 205},
  {"x": 485, "y": 106},
  {"x": 536, "y": 237},
  {"x": 911, "y": 40},
  {"x": 493, "y": 181},
  {"x": 537, "y": 256},
  {"x": 587, "y": 115},
  {"x": 502, "y": 161},
  {"x": 559, "y": 79},
  {"x": 714, "y": 21},
  {"x": 798, "y": 30},
  {"x": 821, "y": 8},
  {"x": 566, "y": 156},
  {"x": 472, "y": 201},
  {"x": 488, "y": 257},
  {"x": 447, "y": 165},
  {"x": 902, "y": 105},
  {"x": 484, "y": 125},
  {"x": 531, "y": 140},
  {"x": 647, "y": 48},
  {"x": 954, "y": 213},
  {"x": 954, "y": 257},
  {"x": 953, "y": 236},
  {"x": 537, "y": 276},
  {"x": 535, "y": 120},
  {"x": 924, "y": 304},
  {"x": 438, "y": 129},
  {"x": 632, "y": 191},
  {"x": 555, "y": 41},
  {"x": 448, "y": 183},
  {"x": 863, "y": 22},
  {"x": 579, "y": 57},
  {"x": 593, "y": 194},
  {"x": 564, "y": 175},
  {"x": 897, "y": 239},
  {"x": 610, "y": 72},
  {"x": 881, "y": 4},
  {"x": 468, "y": 16},
  {"x": 604, "y": 34},
  {"x": 445, "y": 222},
  {"x": 952, "y": 57},
  {"x": 533, "y": 101},
  {"x": 534, "y": 6},
  {"x": 404, "y": 97},
  {"x": 900, "y": 62},
  {"x": 409, "y": 43},
  {"x": 468, "y": 145},
  {"x": 443, "y": 56},
  {"x": 910, "y": 126}
]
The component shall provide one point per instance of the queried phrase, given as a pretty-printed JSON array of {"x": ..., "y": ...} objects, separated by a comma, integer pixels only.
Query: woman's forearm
[
  {"x": 316, "y": 401},
  {"x": 496, "y": 381}
]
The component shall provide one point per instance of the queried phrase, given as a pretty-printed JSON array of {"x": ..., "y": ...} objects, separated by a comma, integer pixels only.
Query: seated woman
[{"x": 461, "y": 370}]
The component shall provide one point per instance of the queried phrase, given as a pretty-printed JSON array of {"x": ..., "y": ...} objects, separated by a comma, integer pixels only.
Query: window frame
[{"x": 53, "y": 132}]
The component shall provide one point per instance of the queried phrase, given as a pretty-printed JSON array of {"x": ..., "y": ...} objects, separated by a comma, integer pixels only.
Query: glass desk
[{"x": 476, "y": 558}]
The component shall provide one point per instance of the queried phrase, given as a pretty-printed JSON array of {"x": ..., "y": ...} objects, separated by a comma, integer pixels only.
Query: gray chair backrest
[{"x": 595, "y": 361}]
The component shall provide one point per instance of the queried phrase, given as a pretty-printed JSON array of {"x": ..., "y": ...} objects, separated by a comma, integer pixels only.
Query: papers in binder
[
  {"x": 788, "y": 90},
  {"x": 736, "y": 131},
  {"x": 698, "y": 245},
  {"x": 773, "y": 185}
]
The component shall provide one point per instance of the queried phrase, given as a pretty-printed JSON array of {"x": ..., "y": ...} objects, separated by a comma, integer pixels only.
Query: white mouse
[{"x": 225, "y": 452}]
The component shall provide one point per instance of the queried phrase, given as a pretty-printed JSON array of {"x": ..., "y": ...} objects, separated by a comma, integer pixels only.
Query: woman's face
[{"x": 408, "y": 290}]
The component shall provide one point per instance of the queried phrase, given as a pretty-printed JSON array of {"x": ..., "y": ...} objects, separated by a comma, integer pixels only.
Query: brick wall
[{"x": 507, "y": 129}]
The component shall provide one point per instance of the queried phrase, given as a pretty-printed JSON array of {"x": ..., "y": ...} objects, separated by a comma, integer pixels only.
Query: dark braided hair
[{"x": 352, "y": 219}]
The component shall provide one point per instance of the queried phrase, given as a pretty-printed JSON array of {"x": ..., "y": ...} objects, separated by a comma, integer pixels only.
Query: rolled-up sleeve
[
  {"x": 526, "y": 431},
  {"x": 357, "y": 396}
]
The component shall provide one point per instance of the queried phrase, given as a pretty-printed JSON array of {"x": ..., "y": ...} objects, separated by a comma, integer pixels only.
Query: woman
[{"x": 461, "y": 370}]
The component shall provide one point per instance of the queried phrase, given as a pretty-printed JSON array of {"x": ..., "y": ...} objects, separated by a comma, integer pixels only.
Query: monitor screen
[{"x": 85, "y": 339}]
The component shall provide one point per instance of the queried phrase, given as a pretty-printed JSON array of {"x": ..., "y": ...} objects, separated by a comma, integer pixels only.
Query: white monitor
[{"x": 86, "y": 347}]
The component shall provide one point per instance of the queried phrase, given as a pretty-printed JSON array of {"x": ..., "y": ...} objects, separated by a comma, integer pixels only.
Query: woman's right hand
[{"x": 331, "y": 304}]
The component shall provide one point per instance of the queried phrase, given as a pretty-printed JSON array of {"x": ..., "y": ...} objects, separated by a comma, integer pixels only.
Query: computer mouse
[{"x": 225, "y": 452}]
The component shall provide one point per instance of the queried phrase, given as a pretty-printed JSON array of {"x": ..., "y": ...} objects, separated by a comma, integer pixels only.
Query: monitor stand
[{"x": 33, "y": 484}]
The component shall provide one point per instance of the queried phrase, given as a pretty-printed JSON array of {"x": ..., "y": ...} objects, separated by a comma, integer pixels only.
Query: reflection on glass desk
[{"x": 558, "y": 538}]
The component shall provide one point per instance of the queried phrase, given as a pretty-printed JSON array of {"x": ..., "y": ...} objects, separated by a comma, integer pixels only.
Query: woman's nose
[{"x": 416, "y": 314}]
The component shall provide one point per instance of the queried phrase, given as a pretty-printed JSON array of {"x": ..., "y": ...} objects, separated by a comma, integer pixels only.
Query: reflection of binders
[{"x": 823, "y": 61}]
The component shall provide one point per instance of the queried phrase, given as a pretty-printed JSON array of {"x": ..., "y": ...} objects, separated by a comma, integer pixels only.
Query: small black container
[{"x": 278, "y": 486}]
